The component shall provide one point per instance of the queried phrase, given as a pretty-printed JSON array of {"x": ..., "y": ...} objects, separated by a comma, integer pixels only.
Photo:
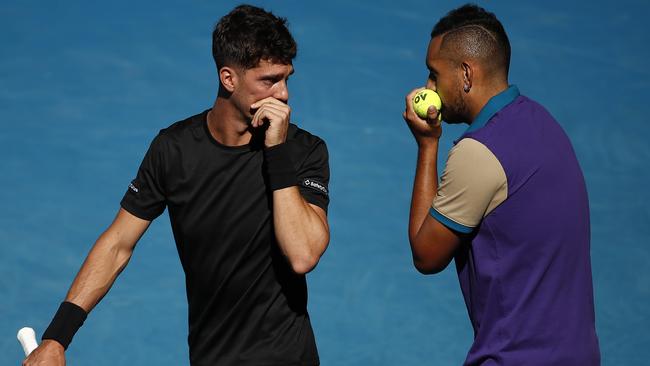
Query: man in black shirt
[{"x": 247, "y": 197}]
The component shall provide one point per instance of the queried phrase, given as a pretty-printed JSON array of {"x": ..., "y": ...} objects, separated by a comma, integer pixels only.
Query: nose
[
  {"x": 431, "y": 84},
  {"x": 281, "y": 91}
]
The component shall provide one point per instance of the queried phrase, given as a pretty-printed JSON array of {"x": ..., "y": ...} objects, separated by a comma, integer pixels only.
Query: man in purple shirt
[{"x": 511, "y": 207}]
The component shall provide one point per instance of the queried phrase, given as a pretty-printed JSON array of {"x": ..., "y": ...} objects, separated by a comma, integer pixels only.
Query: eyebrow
[{"x": 275, "y": 76}]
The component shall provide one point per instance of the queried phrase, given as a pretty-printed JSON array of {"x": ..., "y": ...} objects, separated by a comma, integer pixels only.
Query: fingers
[
  {"x": 270, "y": 112},
  {"x": 409, "y": 100},
  {"x": 267, "y": 100},
  {"x": 269, "y": 109},
  {"x": 46, "y": 354},
  {"x": 423, "y": 129},
  {"x": 266, "y": 113},
  {"x": 433, "y": 116},
  {"x": 277, "y": 114}
]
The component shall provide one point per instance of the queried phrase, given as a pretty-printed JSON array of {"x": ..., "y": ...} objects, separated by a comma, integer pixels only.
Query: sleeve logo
[
  {"x": 133, "y": 187},
  {"x": 314, "y": 184}
]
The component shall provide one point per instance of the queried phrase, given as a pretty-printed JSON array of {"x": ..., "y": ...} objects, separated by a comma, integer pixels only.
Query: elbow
[
  {"x": 428, "y": 267},
  {"x": 123, "y": 255},
  {"x": 305, "y": 261},
  {"x": 427, "y": 259},
  {"x": 303, "y": 264},
  {"x": 120, "y": 254}
]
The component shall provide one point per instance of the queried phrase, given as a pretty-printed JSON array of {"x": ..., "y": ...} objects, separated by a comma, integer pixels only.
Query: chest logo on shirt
[{"x": 314, "y": 184}]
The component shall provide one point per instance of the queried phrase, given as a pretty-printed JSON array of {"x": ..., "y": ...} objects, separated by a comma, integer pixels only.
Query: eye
[{"x": 432, "y": 76}]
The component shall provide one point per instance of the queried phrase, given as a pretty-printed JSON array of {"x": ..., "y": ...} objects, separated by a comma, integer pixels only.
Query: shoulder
[
  {"x": 472, "y": 185},
  {"x": 472, "y": 157},
  {"x": 524, "y": 108},
  {"x": 177, "y": 136},
  {"x": 516, "y": 127},
  {"x": 302, "y": 136},
  {"x": 184, "y": 128},
  {"x": 472, "y": 162},
  {"x": 469, "y": 148},
  {"x": 180, "y": 133},
  {"x": 303, "y": 140},
  {"x": 307, "y": 150}
]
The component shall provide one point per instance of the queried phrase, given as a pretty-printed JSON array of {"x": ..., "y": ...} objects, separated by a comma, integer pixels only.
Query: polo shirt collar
[{"x": 494, "y": 105}]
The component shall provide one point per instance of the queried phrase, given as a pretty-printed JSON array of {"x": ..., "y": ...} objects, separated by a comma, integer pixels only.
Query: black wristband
[
  {"x": 66, "y": 322},
  {"x": 279, "y": 167}
]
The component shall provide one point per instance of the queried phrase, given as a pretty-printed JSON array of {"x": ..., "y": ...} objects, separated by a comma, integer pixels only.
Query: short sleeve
[
  {"x": 472, "y": 185},
  {"x": 314, "y": 176},
  {"x": 145, "y": 196}
]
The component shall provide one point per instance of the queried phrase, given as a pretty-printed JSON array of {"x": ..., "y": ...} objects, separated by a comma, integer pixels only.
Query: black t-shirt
[{"x": 246, "y": 305}]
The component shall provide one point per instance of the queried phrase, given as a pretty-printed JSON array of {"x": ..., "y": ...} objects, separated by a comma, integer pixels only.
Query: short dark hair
[
  {"x": 249, "y": 34},
  {"x": 476, "y": 32}
]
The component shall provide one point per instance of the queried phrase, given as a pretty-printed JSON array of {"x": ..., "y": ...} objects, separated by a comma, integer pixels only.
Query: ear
[
  {"x": 468, "y": 73},
  {"x": 228, "y": 78}
]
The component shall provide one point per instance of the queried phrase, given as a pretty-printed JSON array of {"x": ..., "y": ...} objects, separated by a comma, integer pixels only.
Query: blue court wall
[{"x": 85, "y": 86}]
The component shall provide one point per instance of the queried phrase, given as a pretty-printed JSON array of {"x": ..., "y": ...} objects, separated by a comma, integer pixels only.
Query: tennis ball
[{"x": 425, "y": 99}]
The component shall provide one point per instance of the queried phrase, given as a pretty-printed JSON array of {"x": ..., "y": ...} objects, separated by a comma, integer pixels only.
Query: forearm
[
  {"x": 107, "y": 258},
  {"x": 302, "y": 234},
  {"x": 99, "y": 271},
  {"x": 425, "y": 186},
  {"x": 432, "y": 244}
]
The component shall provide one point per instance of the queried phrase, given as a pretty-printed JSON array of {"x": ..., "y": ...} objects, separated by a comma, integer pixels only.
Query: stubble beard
[{"x": 456, "y": 111}]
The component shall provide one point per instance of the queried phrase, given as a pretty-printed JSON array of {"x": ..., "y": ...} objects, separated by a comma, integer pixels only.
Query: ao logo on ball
[{"x": 425, "y": 99}]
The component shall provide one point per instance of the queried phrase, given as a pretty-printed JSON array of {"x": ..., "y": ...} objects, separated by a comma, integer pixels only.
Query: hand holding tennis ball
[{"x": 423, "y": 100}]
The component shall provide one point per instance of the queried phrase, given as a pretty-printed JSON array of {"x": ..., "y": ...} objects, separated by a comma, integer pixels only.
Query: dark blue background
[{"x": 85, "y": 85}]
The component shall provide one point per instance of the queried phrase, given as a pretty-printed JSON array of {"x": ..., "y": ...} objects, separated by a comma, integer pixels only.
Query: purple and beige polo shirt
[{"x": 513, "y": 184}]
